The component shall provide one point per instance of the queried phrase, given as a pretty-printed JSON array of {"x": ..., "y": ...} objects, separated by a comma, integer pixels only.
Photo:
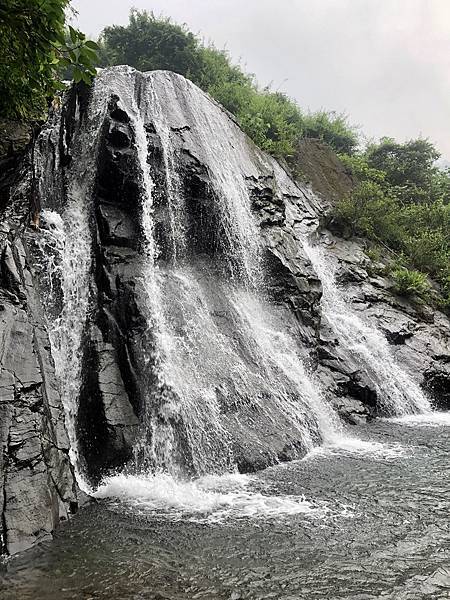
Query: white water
[
  {"x": 218, "y": 341},
  {"x": 226, "y": 156},
  {"x": 65, "y": 242},
  {"x": 357, "y": 447},
  {"x": 152, "y": 105},
  {"x": 210, "y": 499},
  {"x": 202, "y": 358},
  {"x": 397, "y": 392},
  {"x": 429, "y": 419}
]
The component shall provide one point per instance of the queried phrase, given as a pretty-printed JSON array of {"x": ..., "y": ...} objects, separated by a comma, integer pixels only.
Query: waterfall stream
[
  {"x": 397, "y": 392},
  {"x": 204, "y": 359}
]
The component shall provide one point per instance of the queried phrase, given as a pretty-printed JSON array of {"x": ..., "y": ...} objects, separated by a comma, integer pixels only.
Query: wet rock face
[
  {"x": 37, "y": 486},
  {"x": 110, "y": 398},
  {"x": 120, "y": 378},
  {"x": 120, "y": 383},
  {"x": 419, "y": 339}
]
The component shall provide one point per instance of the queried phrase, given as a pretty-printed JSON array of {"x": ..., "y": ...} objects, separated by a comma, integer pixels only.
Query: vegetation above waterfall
[
  {"x": 35, "y": 47},
  {"x": 402, "y": 203},
  {"x": 271, "y": 119}
]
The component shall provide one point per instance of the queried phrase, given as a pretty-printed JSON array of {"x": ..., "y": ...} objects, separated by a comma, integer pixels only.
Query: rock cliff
[
  {"x": 110, "y": 378},
  {"x": 37, "y": 486}
]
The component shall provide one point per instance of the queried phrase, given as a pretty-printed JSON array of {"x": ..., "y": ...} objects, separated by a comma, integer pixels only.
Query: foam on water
[
  {"x": 210, "y": 498},
  {"x": 368, "y": 448},
  {"x": 434, "y": 419}
]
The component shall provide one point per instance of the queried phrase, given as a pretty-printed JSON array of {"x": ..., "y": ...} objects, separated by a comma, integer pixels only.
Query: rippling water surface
[{"x": 359, "y": 520}]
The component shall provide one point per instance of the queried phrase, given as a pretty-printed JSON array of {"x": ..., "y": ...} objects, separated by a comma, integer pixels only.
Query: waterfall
[
  {"x": 65, "y": 250},
  {"x": 397, "y": 392},
  {"x": 226, "y": 157},
  {"x": 219, "y": 340},
  {"x": 222, "y": 381},
  {"x": 65, "y": 247}
]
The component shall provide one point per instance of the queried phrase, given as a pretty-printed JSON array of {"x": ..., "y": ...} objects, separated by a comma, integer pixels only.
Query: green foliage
[
  {"x": 370, "y": 213},
  {"x": 34, "y": 47},
  {"x": 333, "y": 129},
  {"x": 374, "y": 253},
  {"x": 402, "y": 201},
  {"x": 148, "y": 43},
  {"x": 273, "y": 121},
  {"x": 359, "y": 167},
  {"x": 409, "y": 282},
  {"x": 409, "y": 168}
]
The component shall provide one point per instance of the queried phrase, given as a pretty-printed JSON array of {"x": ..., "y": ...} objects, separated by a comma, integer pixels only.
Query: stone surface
[
  {"x": 37, "y": 486},
  {"x": 315, "y": 163},
  {"x": 420, "y": 336},
  {"x": 120, "y": 383}
]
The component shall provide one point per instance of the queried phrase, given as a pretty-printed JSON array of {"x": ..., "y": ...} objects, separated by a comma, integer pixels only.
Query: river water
[{"x": 363, "y": 520}]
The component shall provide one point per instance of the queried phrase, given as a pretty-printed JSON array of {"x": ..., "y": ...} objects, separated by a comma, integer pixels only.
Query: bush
[
  {"x": 410, "y": 282},
  {"x": 370, "y": 213},
  {"x": 409, "y": 168},
  {"x": 271, "y": 119},
  {"x": 402, "y": 201},
  {"x": 333, "y": 129},
  {"x": 34, "y": 47}
]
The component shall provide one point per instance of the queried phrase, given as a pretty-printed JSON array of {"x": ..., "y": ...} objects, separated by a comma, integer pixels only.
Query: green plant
[
  {"x": 369, "y": 212},
  {"x": 332, "y": 128},
  {"x": 409, "y": 282},
  {"x": 35, "y": 47},
  {"x": 374, "y": 253},
  {"x": 409, "y": 168},
  {"x": 401, "y": 200}
]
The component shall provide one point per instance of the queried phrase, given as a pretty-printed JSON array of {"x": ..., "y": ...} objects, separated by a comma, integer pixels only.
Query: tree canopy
[{"x": 35, "y": 47}]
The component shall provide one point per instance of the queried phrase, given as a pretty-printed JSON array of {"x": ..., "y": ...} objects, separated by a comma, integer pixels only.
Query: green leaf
[
  {"x": 92, "y": 45},
  {"x": 86, "y": 78},
  {"x": 77, "y": 75},
  {"x": 73, "y": 34}
]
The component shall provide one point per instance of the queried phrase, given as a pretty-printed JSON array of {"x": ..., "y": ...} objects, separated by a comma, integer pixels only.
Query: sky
[{"x": 385, "y": 63}]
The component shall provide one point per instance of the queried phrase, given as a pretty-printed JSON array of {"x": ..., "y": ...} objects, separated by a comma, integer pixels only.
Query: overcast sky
[{"x": 386, "y": 63}]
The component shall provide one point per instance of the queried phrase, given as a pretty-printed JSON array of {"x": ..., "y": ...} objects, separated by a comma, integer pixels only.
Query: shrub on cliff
[
  {"x": 34, "y": 47},
  {"x": 409, "y": 282},
  {"x": 402, "y": 200}
]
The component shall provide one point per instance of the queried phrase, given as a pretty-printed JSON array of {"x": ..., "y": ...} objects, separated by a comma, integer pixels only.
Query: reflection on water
[{"x": 361, "y": 521}]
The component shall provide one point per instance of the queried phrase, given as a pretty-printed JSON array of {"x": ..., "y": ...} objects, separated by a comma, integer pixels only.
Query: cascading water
[
  {"x": 216, "y": 364},
  {"x": 397, "y": 392},
  {"x": 227, "y": 371},
  {"x": 204, "y": 359},
  {"x": 226, "y": 157},
  {"x": 65, "y": 243}
]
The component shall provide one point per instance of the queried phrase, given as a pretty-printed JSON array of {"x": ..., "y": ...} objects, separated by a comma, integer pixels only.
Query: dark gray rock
[
  {"x": 36, "y": 480},
  {"x": 37, "y": 485},
  {"x": 121, "y": 388}
]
